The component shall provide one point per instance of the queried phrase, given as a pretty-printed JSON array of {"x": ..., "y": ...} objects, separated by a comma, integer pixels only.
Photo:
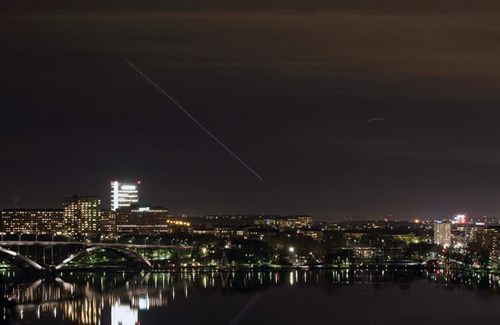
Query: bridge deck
[{"x": 88, "y": 244}]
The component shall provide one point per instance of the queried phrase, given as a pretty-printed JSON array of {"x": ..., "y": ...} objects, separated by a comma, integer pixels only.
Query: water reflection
[
  {"x": 124, "y": 314},
  {"x": 118, "y": 298}
]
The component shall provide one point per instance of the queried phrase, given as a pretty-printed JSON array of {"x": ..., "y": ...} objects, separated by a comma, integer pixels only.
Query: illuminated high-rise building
[
  {"x": 82, "y": 215},
  {"x": 442, "y": 233},
  {"x": 124, "y": 194}
]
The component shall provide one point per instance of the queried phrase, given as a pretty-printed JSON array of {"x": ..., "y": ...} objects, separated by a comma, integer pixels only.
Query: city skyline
[
  {"x": 290, "y": 88},
  {"x": 130, "y": 198}
]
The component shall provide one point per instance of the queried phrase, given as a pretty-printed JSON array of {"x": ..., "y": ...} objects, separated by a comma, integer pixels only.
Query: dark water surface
[{"x": 285, "y": 297}]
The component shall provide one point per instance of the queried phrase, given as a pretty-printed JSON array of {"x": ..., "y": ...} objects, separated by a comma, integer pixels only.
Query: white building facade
[
  {"x": 442, "y": 233},
  {"x": 124, "y": 194}
]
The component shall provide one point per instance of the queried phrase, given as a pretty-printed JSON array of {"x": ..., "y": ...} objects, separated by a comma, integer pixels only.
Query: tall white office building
[
  {"x": 442, "y": 233},
  {"x": 124, "y": 194}
]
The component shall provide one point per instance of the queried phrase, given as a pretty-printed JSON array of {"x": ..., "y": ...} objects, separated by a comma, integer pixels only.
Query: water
[{"x": 291, "y": 297}]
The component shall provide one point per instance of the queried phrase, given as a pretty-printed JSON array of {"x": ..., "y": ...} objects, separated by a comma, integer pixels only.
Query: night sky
[{"x": 288, "y": 86}]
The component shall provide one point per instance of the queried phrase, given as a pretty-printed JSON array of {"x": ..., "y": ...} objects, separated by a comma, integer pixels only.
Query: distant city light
[
  {"x": 179, "y": 223},
  {"x": 460, "y": 219}
]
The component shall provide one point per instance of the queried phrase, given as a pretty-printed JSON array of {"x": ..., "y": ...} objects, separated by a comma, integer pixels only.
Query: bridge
[{"x": 38, "y": 256}]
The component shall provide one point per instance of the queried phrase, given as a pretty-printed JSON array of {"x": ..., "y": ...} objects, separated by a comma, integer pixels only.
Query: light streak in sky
[
  {"x": 376, "y": 119},
  {"x": 191, "y": 117}
]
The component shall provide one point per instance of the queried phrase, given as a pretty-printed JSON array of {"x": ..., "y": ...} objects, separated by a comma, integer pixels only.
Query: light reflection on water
[{"x": 113, "y": 298}]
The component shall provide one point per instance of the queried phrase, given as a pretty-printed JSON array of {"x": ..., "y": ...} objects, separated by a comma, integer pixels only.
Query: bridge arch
[
  {"x": 132, "y": 257},
  {"x": 22, "y": 262}
]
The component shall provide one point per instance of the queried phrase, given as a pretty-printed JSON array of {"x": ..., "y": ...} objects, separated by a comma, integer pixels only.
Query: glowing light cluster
[
  {"x": 178, "y": 223},
  {"x": 460, "y": 219}
]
